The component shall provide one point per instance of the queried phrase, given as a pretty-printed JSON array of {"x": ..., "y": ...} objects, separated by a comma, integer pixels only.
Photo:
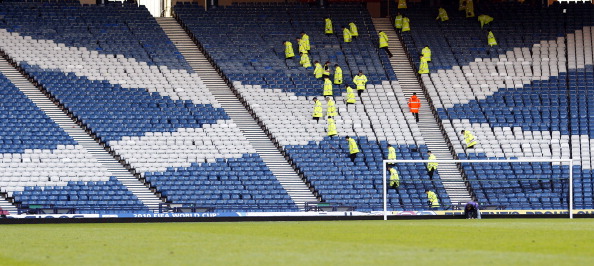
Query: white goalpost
[{"x": 568, "y": 162}]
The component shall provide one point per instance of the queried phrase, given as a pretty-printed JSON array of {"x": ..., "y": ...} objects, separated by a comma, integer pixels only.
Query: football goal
[{"x": 502, "y": 184}]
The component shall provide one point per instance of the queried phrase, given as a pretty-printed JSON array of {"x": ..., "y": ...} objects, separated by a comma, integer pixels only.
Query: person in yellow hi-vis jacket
[
  {"x": 331, "y": 131},
  {"x": 304, "y": 61},
  {"x": 469, "y": 139},
  {"x": 337, "y": 74},
  {"x": 289, "y": 50},
  {"x": 301, "y": 45},
  {"x": 491, "y": 39},
  {"x": 398, "y": 21},
  {"x": 361, "y": 81},
  {"x": 331, "y": 111},
  {"x": 442, "y": 14},
  {"x": 394, "y": 178},
  {"x": 318, "y": 110},
  {"x": 432, "y": 199},
  {"x": 484, "y": 19},
  {"x": 462, "y": 5},
  {"x": 350, "y": 96},
  {"x": 469, "y": 9},
  {"x": 405, "y": 24},
  {"x": 326, "y": 69},
  {"x": 305, "y": 39},
  {"x": 431, "y": 166},
  {"x": 318, "y": 70},
  {"x": 426, "y": 52},
  {"x": 383, "y": 42},
  {"x": 353, "y": 148},
  {"x": 346, "y": 35},
  {"x": 328, "y": 29},
  {"x": 354, "y": 30},
  {"x": 423, "y": 66},
  {"x": 391, "y": 154},
  {"x": 401, "y": 4},
  {"x": 327, "y": 87}
]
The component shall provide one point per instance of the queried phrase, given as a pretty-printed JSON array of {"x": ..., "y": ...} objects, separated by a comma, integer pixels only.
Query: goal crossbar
[{"x": 534, "y": 160}]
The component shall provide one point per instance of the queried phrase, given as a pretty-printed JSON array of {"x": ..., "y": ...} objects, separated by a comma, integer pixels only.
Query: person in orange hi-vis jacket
[{"x": 414, "y": 103}]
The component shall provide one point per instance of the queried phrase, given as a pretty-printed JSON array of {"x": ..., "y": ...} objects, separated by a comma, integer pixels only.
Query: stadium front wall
[{"x": 279, "y": 216}]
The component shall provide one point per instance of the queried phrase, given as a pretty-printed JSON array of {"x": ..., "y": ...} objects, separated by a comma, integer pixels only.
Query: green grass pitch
[{"x": 417, "y": 242}]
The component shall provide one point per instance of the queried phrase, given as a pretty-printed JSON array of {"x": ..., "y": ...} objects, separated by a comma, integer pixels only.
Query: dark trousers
[
  {"x": 387, "y": 51},
  {"x": 430, "y": 172},
  {"x": 416, "y": 115},
  {"x": 359, "y": 92},
  {"x": 471, "y": 213},
  {"x": 353, "y": 156},
  {"x": 317, "y": 119}
]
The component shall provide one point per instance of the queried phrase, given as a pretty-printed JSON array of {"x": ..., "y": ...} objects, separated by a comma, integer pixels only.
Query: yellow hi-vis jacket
[
  {"x": 423, "y": 67},
  {"x": 398, "y": 22},
  {"x": 318, "y": 70},
  {"x": 360, "y": 81},
  {"x": 289, "y": 50},
  {"x": 469, "y": 139},
  {"x": 391, "y": 153},
  {"x": 405, "y": 24},
  {"x": 327, "y": 87},
  {"x": 304, "y": 61},
  {"x": 401, "y": 4},
  {"x": 469, "y": 9},
  {"x": 353, "y": 148},
  {"x": 432, "y": 197},
  {"x": 328, "y": 26},
  {"x": 331, "y": 108},
  {"x": 394, "y": 178},
  {"x": 350, "y": 95},
  {"x": 317, "y": 111},
  {"x": 484, "y": 19},
  {"x": 443, "y": 15},
  {"x": 426, "y": 53},
  {"x": 432, "y": 165},
  {"x": 332, "y": 127},
  {"x": 338, "y": 75},
  {"x": 305, "y": 39},
  {"x": 302, "y": 49},
  {"x": 491, "y": 39},
  {"x": 383, "y": 40},
  {"x": 346, "y": 35},
  {"x": 353, "y": 29}
]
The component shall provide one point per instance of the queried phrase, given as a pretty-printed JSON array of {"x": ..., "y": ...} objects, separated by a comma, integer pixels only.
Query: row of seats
[
  {"x": 282, "y": 90},
  {"x": 105, "y": 29},
  {"x": 513, "y": 97},
  {"x": 135, "y": 100}
]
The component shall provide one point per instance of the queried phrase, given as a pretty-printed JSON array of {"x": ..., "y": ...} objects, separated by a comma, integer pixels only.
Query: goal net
[{"x": 496, "y": 184}]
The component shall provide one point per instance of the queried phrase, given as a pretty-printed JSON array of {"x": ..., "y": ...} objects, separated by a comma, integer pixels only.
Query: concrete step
[
  {"x": 428, "y": 126},
  {"x": 78, "y": 134},
  {"x": 267, "y": 150}
]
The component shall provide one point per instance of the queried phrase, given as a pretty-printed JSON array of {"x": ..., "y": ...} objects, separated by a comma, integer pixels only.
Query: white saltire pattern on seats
[
  {"x": 289, "y": 117},
  {"x": 515, "y": 69},
  {"x": 43, "y": 167},
  {"x": 127, "y": 72},
  {"x": 156, "y": 150}
]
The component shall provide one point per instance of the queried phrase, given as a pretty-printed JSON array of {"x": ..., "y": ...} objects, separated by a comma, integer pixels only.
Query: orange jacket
[{"x": 414, "y": 104}]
